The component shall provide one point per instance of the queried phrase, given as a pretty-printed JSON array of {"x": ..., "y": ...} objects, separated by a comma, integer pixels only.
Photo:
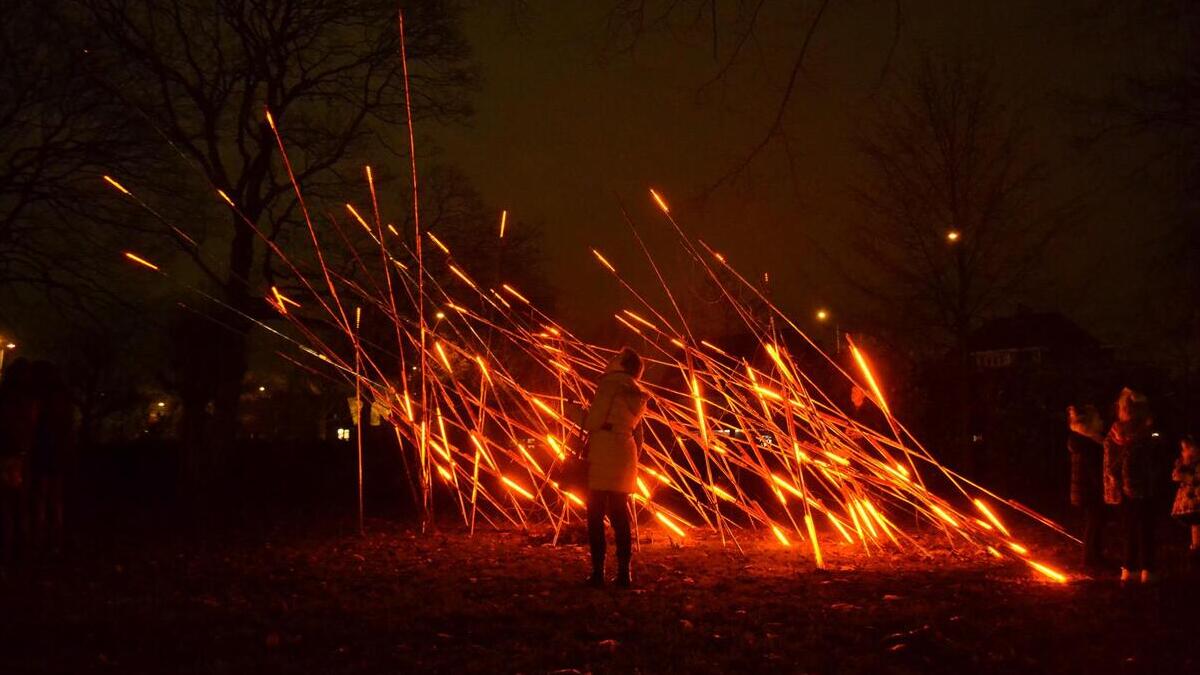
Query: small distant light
[
  {"x": 262, "y": 388},
  {"x": 440, "y": 315},
  {"x": 822, "y": 315},
  {"x": 162, "y": 404},
  {"x": 343, "y": 434},
  {"x": 1154, "y": 435},
  {"x": 953, "y": 236}
]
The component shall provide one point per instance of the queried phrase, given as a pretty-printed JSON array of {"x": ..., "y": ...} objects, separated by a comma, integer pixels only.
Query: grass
[{"x": 397, "y": 602}]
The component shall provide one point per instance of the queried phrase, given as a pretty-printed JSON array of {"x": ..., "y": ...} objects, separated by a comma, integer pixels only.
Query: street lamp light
[
  {"x": 822, "y": 315},
  {"x": 953, "y": 236}
]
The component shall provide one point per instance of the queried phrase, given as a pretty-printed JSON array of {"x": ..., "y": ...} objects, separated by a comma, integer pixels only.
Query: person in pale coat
[{"x": 614, "y": 438}]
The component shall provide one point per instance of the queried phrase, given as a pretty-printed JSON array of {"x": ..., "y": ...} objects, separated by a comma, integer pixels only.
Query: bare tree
[
  {"x": 56, "y": 135},
  {"x": 202, "y": 74},
  {"x": 956, "y": 218}
]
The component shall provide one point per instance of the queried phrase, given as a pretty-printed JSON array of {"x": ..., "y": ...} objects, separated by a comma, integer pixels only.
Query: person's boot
[
  {"x": 624, "y": 577},
  {"x": 597, "y": 578}
]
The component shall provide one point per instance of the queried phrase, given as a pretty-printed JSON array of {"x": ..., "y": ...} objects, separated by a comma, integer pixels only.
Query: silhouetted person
[
  {"x": 18, "y": 430},
  {"x": 1086, "y": 445},
  {"x": 53, "y": 453},
  {"x": 1186, "y": 507},
  {"x": 1130, "y": 481},
  {"x": 612, "y": 449}
]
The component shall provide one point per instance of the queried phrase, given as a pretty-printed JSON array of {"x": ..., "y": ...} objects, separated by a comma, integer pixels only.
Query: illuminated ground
[{"x": 509, "y": 603}]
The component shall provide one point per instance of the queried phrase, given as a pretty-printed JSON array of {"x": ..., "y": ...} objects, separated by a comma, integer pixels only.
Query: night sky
[{"x": 566, "y": 126}]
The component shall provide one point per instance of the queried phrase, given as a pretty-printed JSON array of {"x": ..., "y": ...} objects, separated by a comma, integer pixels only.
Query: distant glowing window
[{"x": 343, "y": 434}]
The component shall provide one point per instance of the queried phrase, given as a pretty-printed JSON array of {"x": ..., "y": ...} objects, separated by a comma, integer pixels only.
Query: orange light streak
[
  {"x": 670, "y": 525},
  {"x": 780, "y": 535},
  {"x": 514, "y": 486},
  {"x": 863, "y": 366},
  {"x": 604, "y": 261},
  {"x": 141, "y": 261},
  {"x": 659, "y": 200},
  {"x": 812, "y": 537},
  {"x": 987, "y": 513}
]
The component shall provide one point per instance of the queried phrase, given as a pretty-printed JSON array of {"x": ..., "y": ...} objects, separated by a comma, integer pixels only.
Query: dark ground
[{"x": 253, "y": 600}]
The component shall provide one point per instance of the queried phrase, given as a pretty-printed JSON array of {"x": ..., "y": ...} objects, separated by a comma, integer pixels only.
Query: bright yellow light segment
[
  {"x": 438, "y": 242},
  {"x": 113, "y": 182},
  {"x": 812, "y": 537},
  {"x": 141, "y": 261},
  {"x": 514, "y": 293},
  {"x": 1050, "y": 573},
  {"x": 604, "y": 261},
  {"x": 516, "y": 487},
  {"x": 546, "y": 408},
  {"x": 780, "y": 535},
  {"x": 987, "y": 513},
  {"x": 659, "y": 200},
  {"x": 861, "y": 359},
  {"x": 670, "y": 525},
  {"x": 442, "y": 353},
  {"x": 943, "y": 515},
  {"x": 354, "y": 212},
  {"x": 503, "y": 222}
]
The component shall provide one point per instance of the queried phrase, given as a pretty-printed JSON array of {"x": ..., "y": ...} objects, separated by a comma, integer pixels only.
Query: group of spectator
[
  {"x": 37, "y": 453},
  {"x": 1126, "y": 467}
]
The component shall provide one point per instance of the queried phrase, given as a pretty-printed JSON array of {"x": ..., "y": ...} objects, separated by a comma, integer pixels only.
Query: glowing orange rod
[
  {"x": 994, "y": 552},
  {"x": 883, "y": 523},
  {"x": 514, "y": 293},
  {"x": 942, "y": 514},
  {"x": 555, "y": 446},
  {"x": 438, "y": 242},
  {"x": 222, "y": 195},
  {"x": 354, "y": 212},
  {"x": 442, "y": 353},
  {"x": 503, "y": 222},
  {"x": 721, "y": 494},
  {"x": 479, "y": 446},
  {"x": 774, "y": 352},
  {"x": 812, "y": 537},
  {"x": 446, "y": 475},
  {"x": 545, "y": 408},
  {"x": 283, "y": 300},
  {"x": 866, "y": 519},
  {"x": 462, "y": 275},
  {"x": 141, "y": 261},
  {"x": 700, "y": 411},
  {"x": 628, "y": 325},
  {"x": 1050, "y": 573},
  {"x": 840, "y": 528},
  {"x": 780, "y": 535},
  {"x": 659, "y": 200},
  {"x": 1018, "y": 548},
  {"x": 604, "y": 261},
  {"x": 987, "y": 513},
  {"x": 670, "y": 525},
  {"x": 113, "y": 182},
  {"x": 639, "y": 319},
  {"x": 787, "y": 486},
  {"x": 517, "y": 488},
  {"x": 642, "y": 488},
  {"x": 863, "y": 366},
  {"x": 483, "y": 368},
  {"x": 529, "y": 458}
]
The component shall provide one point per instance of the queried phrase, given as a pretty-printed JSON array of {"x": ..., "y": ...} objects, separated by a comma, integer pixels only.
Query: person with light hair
[
  {"x": 1129, "y": 481},
  {"x": 614, "y": 439}
]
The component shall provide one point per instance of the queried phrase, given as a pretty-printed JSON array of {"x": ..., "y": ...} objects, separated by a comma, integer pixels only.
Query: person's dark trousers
[
  {"x": 615, "y": 505},
  {"x": 1094, "y": 517},
  {"x": 1139, "y": 534}
]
